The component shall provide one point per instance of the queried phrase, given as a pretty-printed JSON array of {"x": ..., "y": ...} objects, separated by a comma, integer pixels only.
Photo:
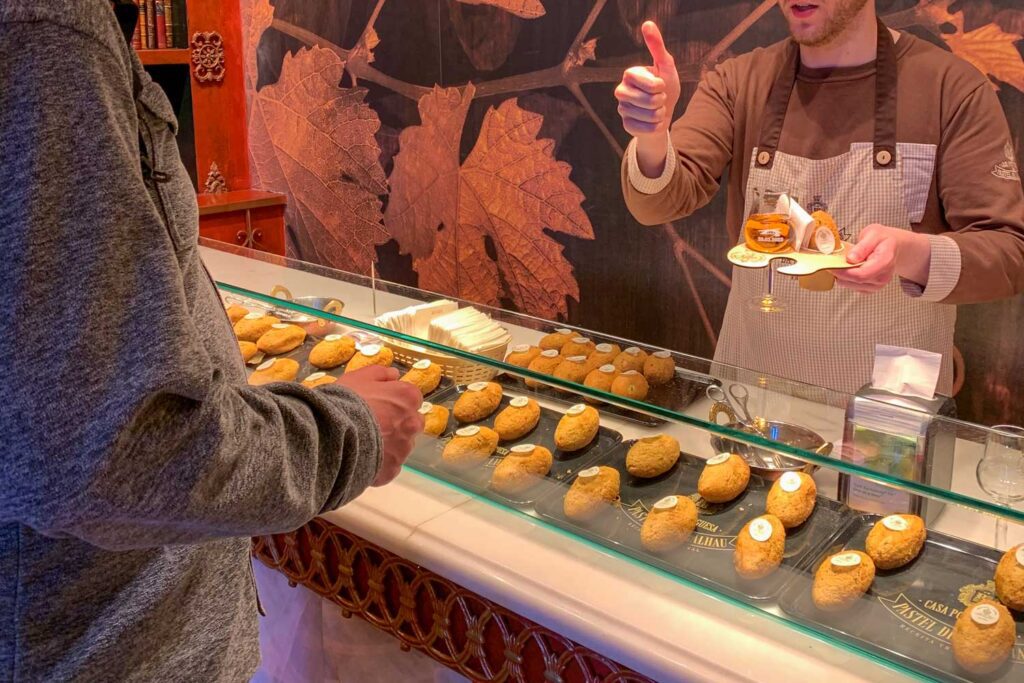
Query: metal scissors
[
  {"x": 741, "y": 396},
  {"x": 718, "y": 395}
]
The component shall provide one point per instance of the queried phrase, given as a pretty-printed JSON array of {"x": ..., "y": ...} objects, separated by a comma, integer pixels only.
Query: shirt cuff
[
  {"x": 943, "y": 272},
  {"x": 642, "y": 183}
]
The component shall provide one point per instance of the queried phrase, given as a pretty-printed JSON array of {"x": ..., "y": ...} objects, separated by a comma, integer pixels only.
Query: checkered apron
[{"x": 828, "y": 339}]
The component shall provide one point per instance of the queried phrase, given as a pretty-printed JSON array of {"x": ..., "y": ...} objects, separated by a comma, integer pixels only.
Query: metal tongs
[{"x": 739, "y": 413}]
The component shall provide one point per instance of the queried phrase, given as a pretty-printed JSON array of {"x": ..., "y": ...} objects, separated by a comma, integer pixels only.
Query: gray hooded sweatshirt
[{"x": 135, "y": 462}]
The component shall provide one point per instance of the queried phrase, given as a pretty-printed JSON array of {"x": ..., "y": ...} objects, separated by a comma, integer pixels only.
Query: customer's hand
[
  {"x": 647, "y": 99},
  {"x": 395, "y": 406}
]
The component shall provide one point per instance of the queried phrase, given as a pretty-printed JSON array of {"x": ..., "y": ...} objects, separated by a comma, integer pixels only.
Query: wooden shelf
[
  {"x": 239, "y": 200},
  {"x": 169, "y": 56}
]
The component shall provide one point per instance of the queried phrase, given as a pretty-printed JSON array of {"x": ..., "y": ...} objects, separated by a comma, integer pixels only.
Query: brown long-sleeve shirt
[{"x": 975, "y": 196}]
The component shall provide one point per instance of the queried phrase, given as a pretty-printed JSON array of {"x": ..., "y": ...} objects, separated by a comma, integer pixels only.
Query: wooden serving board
[{"x": 803, "y": 262}]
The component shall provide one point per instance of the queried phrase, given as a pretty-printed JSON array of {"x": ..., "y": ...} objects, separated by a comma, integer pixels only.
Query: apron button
[
  {"x": 763, "y": 158},
  {"x": 883, "y": 157}
]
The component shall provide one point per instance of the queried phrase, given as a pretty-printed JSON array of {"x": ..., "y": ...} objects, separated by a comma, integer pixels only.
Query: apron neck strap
[{"x": 885, "y": 103}]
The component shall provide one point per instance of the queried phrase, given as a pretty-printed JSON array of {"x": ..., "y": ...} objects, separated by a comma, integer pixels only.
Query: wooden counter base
[{"x": 469, "y": 634}]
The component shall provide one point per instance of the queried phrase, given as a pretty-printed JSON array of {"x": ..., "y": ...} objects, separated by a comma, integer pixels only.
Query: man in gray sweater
[{"x": 136, "y": 462}]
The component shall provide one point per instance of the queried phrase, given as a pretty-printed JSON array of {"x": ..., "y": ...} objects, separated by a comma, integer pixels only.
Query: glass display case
[{"x": 874, "y": 522}]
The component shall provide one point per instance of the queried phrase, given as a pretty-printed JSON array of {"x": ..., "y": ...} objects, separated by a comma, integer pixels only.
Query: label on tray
[
  {"x": 825, "y": 240},
  {"x": 790, "y": 482},
  {"x": 576, "y": 410},
  {"x": 266, "y": 366},
  {"x": 608, "y": 368},
  {"x": 315, "y": 376},
  {"x": 845, "y": 560},
  {"x": 590, "y": 472},
  {"x": 471, "y": 430},
  {"x": 421, "y": 364},
  {"x": 333, "y": 337},
  {"x": 718, "y": 459},
  {"x": 520, "y": 348},
  {"x": 662, "y": 354},
  {"x": 1020, "y": 555},
  {"x": 523, "y": 448},
  {"x": 604, "y": 348},
  {"x": 519, "y": 402},
  {"x": 281, "y": 326},
  {"x": 255, "y": 315},
  {"x": 550, "y": 353},
  {"x": 633, "y": 351},
  {"x": 477, "y": 386},
  {"x": 667, "y": 503},
  {"x": 760, "y": 529},
  {"x": 370, "y": 349},
  {"x": 985, "y": 615},
  {"x": 426, "y": 407},
  {"x": 895, "y": 523}
]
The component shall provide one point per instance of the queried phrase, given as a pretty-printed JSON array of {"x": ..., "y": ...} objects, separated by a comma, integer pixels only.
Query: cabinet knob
[
  {"x": 240, "y": 237},
  {"x": 257, "y": 236}
]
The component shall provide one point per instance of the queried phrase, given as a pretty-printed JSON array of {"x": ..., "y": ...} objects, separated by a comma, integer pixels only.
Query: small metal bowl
[
  {"x": 763, "y": 462},
  {"x": 314, "y": 326}
]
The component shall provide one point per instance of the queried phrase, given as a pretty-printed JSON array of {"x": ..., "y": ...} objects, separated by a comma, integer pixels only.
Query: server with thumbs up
[{"x": 903, "y": 143}]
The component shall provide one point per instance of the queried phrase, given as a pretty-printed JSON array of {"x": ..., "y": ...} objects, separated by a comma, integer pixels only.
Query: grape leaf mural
[
  {"x": 527, "y": 9},
  {"x": 507, "y": 193},
  {"x": 992, "y": 51},
  {"x": 315, "y": 141}
]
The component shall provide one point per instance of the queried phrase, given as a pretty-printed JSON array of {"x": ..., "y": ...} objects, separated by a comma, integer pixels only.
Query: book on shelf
[
  {"x": 169, "y": 19},
  {"x": 161, "y": 24},
  {"x": 143, "y": 25},
  {"x": 151, "y": 22},
  {"x": 137, "y": 37}
]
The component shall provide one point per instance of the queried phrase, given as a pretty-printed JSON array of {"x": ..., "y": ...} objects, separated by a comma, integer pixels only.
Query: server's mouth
[{"x": 803, "y": 10}]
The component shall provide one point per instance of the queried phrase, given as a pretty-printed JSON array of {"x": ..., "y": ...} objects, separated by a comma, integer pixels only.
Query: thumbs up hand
[{"x": 648, "y": 95}]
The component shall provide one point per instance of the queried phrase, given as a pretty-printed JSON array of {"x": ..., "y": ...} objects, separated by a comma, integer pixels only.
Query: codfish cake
[
  {"x": 600, "y": 379},
  {"x": 248, "y": 350},
  {"x": 595, "y": 490},
  {"x": 760, "y": 547},
  {"x": 470, "y": 446},
  {"x": 632, "y": 358},
  {"x": 578, "y": 346},
  {"x": 479, "y": 401},
  {"x": 725, "y": 477},
  {"x": 435, "y": 418},
  {"x": 652, "y": 456},
  {"x": 254, "y": 325},
  {"x": 630, "y": 384},
  {"x": 333, "y": 351},
  {"x": 518, "y": 418},
  {"x": 577, "y": 428},
  {"x": 895, "y": 540},
  {"x": 424, "y": 375},
  {"x": 371, "y": 354},
  {"x": 573, "y": 369},
  {"x": 841, "y": 580},
  {"x": 525, "y": 466},
  {"x": 983, "y": 637},
  {"x": 281, "y": 338},
  {"x": 669, "y": 524},
  {"x": 522, "y": 355},
  {"x": 317, "y": 379},
  {"x": 1010, "y": 578},
  {"x": 659, "y": 368},
  {"x": 236, "y": 313},
  {"x": 275, "y": 370},
  {"x": 792, "y": 498},
  {"x": 545, "y": 363},
  {"x": 603, "y": 354},
  {"x": 557, "y": 339}
]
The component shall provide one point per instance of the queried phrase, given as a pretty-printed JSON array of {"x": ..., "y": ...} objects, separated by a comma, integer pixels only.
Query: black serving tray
[
  {"x": 909, "y": 613},
  {"x": 427, "y": 453},
  {"x": 301, "y": 356},
  {"x": 707, "y": 556},
  {"x": 677, "y": 394}
]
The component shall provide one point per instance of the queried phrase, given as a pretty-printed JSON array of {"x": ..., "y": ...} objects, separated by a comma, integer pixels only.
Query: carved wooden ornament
[{"x": 208, "y": 57}]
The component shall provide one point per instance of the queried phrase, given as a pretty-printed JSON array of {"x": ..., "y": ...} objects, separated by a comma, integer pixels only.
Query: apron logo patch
[{"x": 1008, "y": 169}]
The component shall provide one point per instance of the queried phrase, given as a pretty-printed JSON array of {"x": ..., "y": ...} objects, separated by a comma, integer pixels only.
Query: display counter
[{"x": 643, "y": 537}]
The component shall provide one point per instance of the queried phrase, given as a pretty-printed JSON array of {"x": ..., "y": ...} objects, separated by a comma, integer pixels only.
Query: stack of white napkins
[{"x": 445, "y": 323}]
